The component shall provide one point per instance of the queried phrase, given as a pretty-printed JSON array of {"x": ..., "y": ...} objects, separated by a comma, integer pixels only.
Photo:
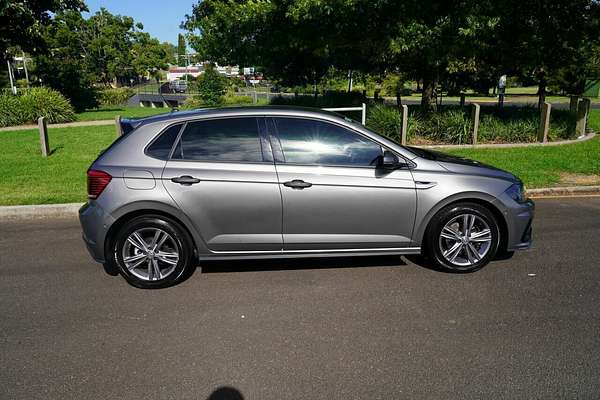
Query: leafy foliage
[
  {"x": 452, "y": 125},
  {"x": 114, "y": 96},
  {"x": 22, "y": 22},
  {"x": 462, "y": 44},
  {"x": 107, "y": 49},
  {"x": 32, "y": 104},
  {"x": 211, "y": 87}
]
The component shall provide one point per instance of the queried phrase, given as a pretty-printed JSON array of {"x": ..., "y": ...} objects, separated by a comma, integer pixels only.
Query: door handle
[
  {"x": 185, "y": 180},
  {"x": 297, "y": 184}
]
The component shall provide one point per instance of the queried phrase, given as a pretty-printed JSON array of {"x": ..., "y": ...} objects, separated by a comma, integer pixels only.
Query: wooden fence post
[
  {"x": 404, "y": 125},
  {"x": 573, "y": 103},
  {"x": 43, "y": 127},
  {"x": 475, "y": 121},
  {"x": 544, "y": 122},
  {"x": 583, "y": 108},
  {"x": 118, "y": 129}
]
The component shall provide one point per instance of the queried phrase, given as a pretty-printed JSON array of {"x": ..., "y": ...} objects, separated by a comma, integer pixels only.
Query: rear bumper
[{"x": 95, "y": 223}]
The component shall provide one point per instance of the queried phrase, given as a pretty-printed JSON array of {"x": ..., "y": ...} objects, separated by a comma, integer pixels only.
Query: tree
[
  {"x": 542, "y": 39},
  {"x": 181, "y": 51},
  {"x": 65, "y": 66},
  {"x": 211, "y": 86},
  {"x": 148, "y": 55},
  {"x": 22, "y": 22},
  {"x": 104, "y": 49},
  {"x": 456, "y": 43}
]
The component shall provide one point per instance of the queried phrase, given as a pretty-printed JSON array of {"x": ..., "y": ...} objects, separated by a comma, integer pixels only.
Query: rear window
[
  {"x": 230, "y": 139},
  {"x": 161, "y": 147}
]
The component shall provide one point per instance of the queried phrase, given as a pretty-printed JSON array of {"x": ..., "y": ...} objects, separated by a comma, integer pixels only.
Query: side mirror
[{"x": 390, "y": 161}]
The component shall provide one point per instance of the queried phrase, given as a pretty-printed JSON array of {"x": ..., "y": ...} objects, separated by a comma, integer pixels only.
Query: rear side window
[
  {"x": 230, "y": 139},
  {"x": 161, "y": 147},
  {"x": 306, "y": 141}
]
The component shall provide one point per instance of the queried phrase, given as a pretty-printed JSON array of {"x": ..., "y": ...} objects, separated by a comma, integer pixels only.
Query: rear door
[
  {"x": 221, "y": 174},
  {"x": 334, "y": 195}
]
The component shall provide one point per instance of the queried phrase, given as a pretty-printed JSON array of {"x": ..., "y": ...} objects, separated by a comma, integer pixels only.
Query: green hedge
[
  {"x": 452, "y": 124},
  {"x": 114, "y": 96},
  {"x": 32, "y": 104}
]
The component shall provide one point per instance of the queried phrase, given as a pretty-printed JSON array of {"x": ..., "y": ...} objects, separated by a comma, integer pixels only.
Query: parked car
[
  {"x": 236, "y": 183},
  {"x": 178, "y": 86}
]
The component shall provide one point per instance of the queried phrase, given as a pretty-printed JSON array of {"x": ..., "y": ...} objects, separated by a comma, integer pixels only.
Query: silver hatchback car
[{"x": 236, "y": 183}]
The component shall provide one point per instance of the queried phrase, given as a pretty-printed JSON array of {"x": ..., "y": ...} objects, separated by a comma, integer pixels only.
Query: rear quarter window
[{"x": 161, "y": 146}]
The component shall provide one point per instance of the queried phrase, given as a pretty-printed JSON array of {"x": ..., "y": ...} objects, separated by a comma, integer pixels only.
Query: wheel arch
[
  {"x": 482, "y": 199},
  {"x": 137, "y": 209}
]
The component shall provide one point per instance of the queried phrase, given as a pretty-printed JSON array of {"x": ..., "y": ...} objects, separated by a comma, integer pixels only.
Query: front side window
[
  {"x": 230, "y": 139},
  {"x": 306, "y": 141}
]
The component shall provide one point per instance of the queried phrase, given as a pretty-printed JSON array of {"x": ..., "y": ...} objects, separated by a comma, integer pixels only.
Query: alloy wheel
[
  {"x": 465, "y": 240},
  {"x": 150, "y": 254}
]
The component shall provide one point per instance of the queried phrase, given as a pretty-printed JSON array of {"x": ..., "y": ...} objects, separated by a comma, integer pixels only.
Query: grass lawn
[
  {"x": 28, "y": 178},
  {"x": 125, "y": 112},
  {"x": 541, "y": 166}
]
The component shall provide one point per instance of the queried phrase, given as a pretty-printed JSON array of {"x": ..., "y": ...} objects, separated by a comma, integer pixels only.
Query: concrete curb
[
  {"x": 71, "y": 209},
  {"x": 39, "y": 211},
  {"x": 572, "y": 191},
  {"x": 588, "y": 136}
]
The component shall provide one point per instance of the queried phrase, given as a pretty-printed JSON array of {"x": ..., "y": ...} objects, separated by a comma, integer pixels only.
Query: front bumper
[
  {"x": 519, "y": 220},
  {"x": 95, "y": 223}
]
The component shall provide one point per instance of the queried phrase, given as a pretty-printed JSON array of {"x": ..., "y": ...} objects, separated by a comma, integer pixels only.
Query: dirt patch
[{"x": 569, "y": 179}]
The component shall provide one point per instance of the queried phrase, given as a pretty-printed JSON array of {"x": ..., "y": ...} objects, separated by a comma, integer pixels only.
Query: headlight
[{"x": 516, "y": 192}]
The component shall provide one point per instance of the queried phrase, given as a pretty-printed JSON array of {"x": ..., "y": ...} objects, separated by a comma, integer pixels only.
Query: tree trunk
[
  {"x": 428, "y": 101},
  {"x": 398, "y": 98}
]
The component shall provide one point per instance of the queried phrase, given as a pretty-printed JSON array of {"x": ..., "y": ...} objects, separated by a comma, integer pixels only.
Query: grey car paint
[{"x": 243, "y": 210}]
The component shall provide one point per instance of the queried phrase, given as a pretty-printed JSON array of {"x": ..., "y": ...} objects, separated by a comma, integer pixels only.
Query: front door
[
  {"x": 223, "y": 177},
  {"x": 334, "y": 195}
]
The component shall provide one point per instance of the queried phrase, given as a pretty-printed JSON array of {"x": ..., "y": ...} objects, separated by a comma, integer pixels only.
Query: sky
[{"x": 161, "y": 19}]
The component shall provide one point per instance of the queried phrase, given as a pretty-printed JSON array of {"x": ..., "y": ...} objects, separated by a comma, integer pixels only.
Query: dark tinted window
[
  {"x": 306, "y": 141},
  {"x": 231, "y": 139},
  {"x": 161, "y": 147}
]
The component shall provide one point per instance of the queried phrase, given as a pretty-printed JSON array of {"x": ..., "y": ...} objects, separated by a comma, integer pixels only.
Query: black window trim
[
  {"x": 275, "y": 136},
  {"x": 260, "y": 138}
]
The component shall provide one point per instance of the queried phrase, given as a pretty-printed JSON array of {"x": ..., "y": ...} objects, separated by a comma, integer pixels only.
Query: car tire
[
  {"x": 462, "y": 237},
  {"x": 152, "y": 252}
]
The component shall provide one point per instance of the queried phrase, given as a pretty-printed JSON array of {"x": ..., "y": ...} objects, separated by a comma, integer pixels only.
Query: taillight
[{"x": 96, "y": 182}]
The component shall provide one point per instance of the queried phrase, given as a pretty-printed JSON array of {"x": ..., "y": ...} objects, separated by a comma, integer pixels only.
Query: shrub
[
  {"x": 448, "y": 126},
  {"x": 35, "y": 103},
  {"x": 385, "y": 121},
  {"x": 211, "y": 87},
  {"x": 452, "y": 124},
  {"x": 10, "y": 110},
  {"x": 114, "y": 96},
  {"x": 233, "y": 99},
  {"x": 192, "y": 102}
]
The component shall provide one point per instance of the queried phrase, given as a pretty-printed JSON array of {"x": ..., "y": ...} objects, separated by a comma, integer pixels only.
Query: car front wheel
[{"x": 462, "y": 237}]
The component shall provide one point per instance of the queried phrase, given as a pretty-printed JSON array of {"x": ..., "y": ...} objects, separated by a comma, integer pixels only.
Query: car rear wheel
[
  {"x": 153, "y": 252},
  {"x": 462, "y": 237}
]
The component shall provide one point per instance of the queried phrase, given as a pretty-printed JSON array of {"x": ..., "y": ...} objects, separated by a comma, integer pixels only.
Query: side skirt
[{"x": 245, "y": 255}]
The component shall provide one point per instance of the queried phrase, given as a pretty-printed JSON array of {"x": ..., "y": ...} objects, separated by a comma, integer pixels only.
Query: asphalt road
[{"x": 370, "y": 328}]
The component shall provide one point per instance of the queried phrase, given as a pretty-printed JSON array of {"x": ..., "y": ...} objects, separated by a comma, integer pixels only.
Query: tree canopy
[
  {"x": 459, "y": 44},
  {"x": 22, "y": 22},
  {"x": 105, "y": 48}
]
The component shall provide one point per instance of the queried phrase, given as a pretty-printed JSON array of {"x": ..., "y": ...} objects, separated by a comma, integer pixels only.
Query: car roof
[{"x": 175, "y": 116}]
